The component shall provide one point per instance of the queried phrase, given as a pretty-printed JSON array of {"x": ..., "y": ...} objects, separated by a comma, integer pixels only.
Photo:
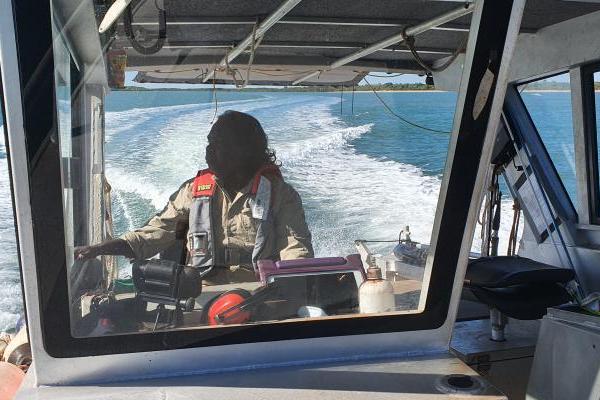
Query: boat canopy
[{"x": 329, "y": 42}]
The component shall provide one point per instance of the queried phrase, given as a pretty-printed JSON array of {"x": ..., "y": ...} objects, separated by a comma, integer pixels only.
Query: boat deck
[{"x": 399, "y": 379}]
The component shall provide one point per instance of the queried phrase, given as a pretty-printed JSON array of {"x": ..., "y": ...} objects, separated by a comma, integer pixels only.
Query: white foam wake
[
  {"x": 347, "y": 195},
  {"x": 351, "y": 195},
  {"x": 154, "y": 156},
  {"x": 10, "y": 288}
]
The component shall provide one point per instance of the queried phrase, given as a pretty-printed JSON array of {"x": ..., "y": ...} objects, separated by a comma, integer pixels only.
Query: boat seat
[
  {"x": 523, "y": 301},
  {"x": 518, "y": 287},
  {"x": 504, "y": 271}
]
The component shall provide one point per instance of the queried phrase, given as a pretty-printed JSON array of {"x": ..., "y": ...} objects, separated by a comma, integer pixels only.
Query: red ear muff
[{"x": 224, "y": 309}]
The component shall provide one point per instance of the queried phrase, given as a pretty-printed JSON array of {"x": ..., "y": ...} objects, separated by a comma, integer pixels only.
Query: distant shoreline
[
  {"x": 250, "y": 90},
  {"x": 551, "y": 91},
  {"x": 398, "y": 91},
  {"x": 361, "y": 90},
  {"x": 546, "y": 91}
]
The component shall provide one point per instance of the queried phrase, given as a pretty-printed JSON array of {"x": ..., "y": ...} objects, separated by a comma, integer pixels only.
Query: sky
[
  {"x": 564, "y": 77},
  {"x": 376, "y": 78}
]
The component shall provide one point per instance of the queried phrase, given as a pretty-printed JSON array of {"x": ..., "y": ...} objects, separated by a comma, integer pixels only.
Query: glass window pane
[
  {"x": 301, "y": 179},
  {"x": 62, "y": 79},
  {"x": 11, "y": 306},
  {"x": 549, "y": 104}
]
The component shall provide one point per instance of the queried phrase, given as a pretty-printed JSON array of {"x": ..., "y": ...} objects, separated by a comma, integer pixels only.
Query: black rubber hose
[
  {"x": 410, "y": 43},
  {"x": 162, "y": 32}
]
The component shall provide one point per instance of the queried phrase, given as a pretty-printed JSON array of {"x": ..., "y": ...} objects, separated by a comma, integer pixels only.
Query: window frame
[
  {"x": 7, "y": 147},
  {"x": 522, "y": 123},
  {"x": 36, "y": 67},
  {"x": 590, "y": 124},
  {"x": 4, "y": 133}
]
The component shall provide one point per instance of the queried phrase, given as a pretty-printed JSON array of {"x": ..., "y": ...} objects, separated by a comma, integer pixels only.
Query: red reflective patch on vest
[{"x": 204, "y": 185}]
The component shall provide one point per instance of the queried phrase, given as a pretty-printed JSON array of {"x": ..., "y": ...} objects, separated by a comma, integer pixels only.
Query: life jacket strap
[
  {"x": 268, "y": 170},
  {"x": 200, "y": 221}
]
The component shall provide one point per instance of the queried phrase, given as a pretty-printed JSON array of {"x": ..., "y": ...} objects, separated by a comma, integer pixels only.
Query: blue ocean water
[
  {"x": 555, "y": 126},
  {"x": 348, "y": 167},
  {"x": 361, "y": 173},
  {"x": 10, "y": 280}
]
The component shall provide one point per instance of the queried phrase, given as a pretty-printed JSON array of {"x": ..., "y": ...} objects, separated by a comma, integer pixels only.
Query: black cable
[
  {"x": 385, "y": 76},
  {"x": 401, "y": 118},
  {"x": 497, "y": 210},
  {"x": 379, "y": 241},
  {"x": 162, "y": 32},
  {"x": 410, "y": 43}
]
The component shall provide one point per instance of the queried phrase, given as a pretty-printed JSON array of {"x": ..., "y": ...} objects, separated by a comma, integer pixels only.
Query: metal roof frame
[
  {"x": 395, "y": 39},
  {"x": 300, "y": 45},
  {"x": 304, "y": 21},
  {"x": 255, "y": 35}
]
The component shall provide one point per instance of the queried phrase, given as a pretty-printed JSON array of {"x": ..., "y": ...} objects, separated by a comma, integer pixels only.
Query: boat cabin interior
[{"x": 490, "y": 291}]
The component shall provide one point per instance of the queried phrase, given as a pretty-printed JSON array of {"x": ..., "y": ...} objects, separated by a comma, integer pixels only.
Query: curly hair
[
  {"x": 269, "y": 157},
  {"x": 249, "y": 133}
]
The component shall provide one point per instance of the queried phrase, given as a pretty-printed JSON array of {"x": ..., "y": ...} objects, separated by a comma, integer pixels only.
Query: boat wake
[
  {"x": 10, "y": 289},
  {"x": 347, "y": 195}
]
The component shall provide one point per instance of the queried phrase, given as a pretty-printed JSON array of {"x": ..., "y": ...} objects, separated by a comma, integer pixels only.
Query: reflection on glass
[
  {"x": 549, "y": 104},
  {"x": 62, "y": 80},
  {"x": 319, "y": 205},
  {"x": 597, "y": 97},
  {"x": 10, "y": 288},
  {"x": 245, "y": 206}
]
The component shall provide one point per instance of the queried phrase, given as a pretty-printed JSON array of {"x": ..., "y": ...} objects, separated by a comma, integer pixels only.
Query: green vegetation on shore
[
  {"x": 359, "y": 88},
  {"x": 328, "y": 88},
  {"x": 554, "y": 86}
]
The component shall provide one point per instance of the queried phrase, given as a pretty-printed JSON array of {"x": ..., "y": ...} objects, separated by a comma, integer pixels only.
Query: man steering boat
[{"x": 232, "y": 214}]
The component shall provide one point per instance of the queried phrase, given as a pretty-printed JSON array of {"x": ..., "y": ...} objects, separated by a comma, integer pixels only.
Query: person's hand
[
  {"x": 115, "y": 247},
  {"x": 85, "y": 252}
]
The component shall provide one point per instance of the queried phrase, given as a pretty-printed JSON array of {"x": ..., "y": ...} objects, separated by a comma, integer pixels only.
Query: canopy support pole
[
  {"x": 398, "y": 38},
  {"x": 264, "y": 26}
]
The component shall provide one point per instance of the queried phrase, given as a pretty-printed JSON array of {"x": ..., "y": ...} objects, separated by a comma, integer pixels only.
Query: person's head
[{"x": 237, "y": 147}]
